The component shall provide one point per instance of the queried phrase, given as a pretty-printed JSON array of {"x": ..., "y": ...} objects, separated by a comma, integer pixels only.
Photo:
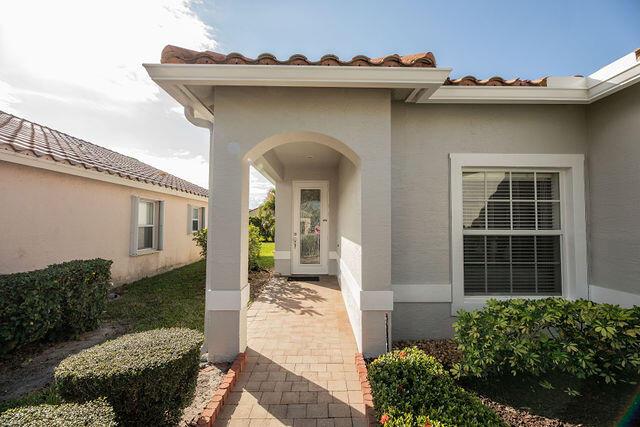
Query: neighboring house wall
[
  {"x": 614, "y": 183},
  {"x": 422, "y": 138},
  {"x": 49, "y": 217}
]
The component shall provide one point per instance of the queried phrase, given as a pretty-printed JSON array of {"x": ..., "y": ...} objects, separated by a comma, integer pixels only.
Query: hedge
[
  {"x": 148, "y": 377},
  {"x": 97, "y": 413},
  {"x": 411, "y": 387},
  {"x": 534, "y": 337},
  {"x": 55, "y": 302}
]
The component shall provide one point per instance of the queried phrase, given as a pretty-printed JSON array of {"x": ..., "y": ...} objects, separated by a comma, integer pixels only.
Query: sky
[{"x": 75, "y": 65}]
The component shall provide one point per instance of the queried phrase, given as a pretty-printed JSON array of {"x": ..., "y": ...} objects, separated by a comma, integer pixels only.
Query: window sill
[{"x": 146, "y": 252}]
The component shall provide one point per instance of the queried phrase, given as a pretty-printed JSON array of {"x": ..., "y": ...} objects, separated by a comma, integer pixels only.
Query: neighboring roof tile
[
  {"x": 177, "y": 55},
  {"x": 23, "y": 136},
  {"x": 494, "y": 81}
]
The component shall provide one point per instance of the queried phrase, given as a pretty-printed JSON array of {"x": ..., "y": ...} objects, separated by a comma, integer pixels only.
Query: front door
[{"x": 310, "y": 227}]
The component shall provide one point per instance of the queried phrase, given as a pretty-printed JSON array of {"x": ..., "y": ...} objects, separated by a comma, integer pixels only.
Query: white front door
[{"x": 309, "y": 239}]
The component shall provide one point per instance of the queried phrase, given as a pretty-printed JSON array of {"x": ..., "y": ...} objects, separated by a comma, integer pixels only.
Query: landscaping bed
[{"x": 209, "y": 377}]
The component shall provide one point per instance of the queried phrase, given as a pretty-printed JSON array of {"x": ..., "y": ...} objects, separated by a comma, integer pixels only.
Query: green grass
[
  {"x": 266, "y": 255},
  {"x": 47, "y": 395},
  {"x": 171, "y": 299}
]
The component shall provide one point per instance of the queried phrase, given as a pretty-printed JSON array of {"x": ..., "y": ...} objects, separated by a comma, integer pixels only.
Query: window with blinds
[{"x": 512, "y": 232}]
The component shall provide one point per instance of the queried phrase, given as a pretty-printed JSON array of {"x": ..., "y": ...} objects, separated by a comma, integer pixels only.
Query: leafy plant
[
  {"x": 255, "y": 242},
  {"x": 200, "y": 237},
  {"x": 55, "y": 302},
  {"x": 408, "y": 385},
  {"x": 267, "y": 216},
  {"x": 97, "y": 413},
  {"x": 148, "y": 377},
  {"x": 521, "y": 336}
]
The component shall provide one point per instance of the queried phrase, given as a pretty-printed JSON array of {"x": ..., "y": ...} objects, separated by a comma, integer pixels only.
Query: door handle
[{"x": 294, "y": 242}]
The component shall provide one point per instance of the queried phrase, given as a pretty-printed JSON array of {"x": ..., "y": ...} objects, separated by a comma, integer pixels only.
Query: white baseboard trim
[
  {"x": 281, "y": 255},
  {"x": 220, "y": 300},
  {"x": 613, "y": 296},
  {"x": 366, "y": 300},
  {"x": 422, "y": 293}
]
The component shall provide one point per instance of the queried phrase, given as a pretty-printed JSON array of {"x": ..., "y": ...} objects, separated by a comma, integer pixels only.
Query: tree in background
[{"x": 267, "y": 216}]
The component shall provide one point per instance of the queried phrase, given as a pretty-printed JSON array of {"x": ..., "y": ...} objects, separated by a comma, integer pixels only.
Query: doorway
[{"x": 309, "y": 237}]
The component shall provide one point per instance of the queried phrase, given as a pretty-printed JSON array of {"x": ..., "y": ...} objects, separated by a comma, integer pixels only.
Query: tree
[{"x": 267, "y": 216}]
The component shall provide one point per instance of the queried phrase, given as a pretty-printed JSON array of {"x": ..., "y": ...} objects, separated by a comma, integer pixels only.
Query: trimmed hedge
[
  {"x": 521, "y": 336},
  {"x": 56, "y": 302},
  {"x": 97, "y": 413},
  {"x": 409, "y": 386},
  {"x": 148, "y": 377}
]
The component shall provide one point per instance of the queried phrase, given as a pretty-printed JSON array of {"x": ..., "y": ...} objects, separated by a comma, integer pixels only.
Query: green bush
[
  {"x": 200, "y": 237},
  {"x": 56, "y": 302},
  {"x": 255, "y": 242},
  {"x": 407, "y": 384},
  {"x": 519, "y": 336},
  {"x": 148, "y": 377},
  {"x": 96, "y": 413},
  {"x": 405, "y": 419}
]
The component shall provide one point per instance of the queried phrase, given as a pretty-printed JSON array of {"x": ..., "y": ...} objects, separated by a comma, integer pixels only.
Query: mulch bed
[
  {"x": 259, "y": 280},
  {"x": 209, "y": 377}
]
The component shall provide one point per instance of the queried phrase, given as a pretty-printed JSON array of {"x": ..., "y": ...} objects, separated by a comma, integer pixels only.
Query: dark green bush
[
  {"x": 200, "y": 237},
  {"x": 97, "y": 413},
  {"x": 55, "y": 302},
  {"x": 407, "y": 384},
  {"x": 520, "y": 336},
  {"x": 148, "y": 377},
  {"x": 395, "y": 418},
  {"x": 255, "y": 243}
]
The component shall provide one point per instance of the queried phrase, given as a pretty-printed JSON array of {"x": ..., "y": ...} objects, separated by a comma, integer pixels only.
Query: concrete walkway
[{"x": 300, "y": 369}]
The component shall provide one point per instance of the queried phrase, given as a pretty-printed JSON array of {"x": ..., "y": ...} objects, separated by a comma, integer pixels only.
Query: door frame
[{"x": 323, "y": 267}]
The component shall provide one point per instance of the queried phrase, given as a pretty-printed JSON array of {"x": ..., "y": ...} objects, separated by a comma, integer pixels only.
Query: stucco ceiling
[{"x": 309, "y": 154}]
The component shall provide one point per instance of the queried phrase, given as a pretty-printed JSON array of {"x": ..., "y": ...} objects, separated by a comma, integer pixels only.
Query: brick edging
[
  {"x": 367, "y": 397},
  {"x": 211, "y": 411}
]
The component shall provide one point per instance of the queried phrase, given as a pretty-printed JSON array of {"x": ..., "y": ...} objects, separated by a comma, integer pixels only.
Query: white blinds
[{"x": 512, "y": 233}]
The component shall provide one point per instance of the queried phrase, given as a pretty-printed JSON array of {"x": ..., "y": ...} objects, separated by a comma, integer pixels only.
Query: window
[
  {"x": 146, "y": 225},
  {"x": 147, "y": 221},
  {"x": 195, "y": 218},
  {"x": 512, "y": 232},
  {"x": 518, "y": 227}
]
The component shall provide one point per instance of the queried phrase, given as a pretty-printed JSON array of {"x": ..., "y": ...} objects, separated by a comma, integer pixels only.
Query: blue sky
[
  {"x": 94, "y": 87},
  {"x": 484, "y": 38}
]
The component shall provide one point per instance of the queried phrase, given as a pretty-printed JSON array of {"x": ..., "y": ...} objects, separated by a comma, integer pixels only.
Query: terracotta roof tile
[
  {"x": 22, "y": 136},
  {"x": 177, "y": 55},
  {"x": 494, "y": 81}
]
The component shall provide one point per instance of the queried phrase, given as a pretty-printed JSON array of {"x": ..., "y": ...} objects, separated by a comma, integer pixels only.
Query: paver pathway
[{"x": 300, "y": 368}]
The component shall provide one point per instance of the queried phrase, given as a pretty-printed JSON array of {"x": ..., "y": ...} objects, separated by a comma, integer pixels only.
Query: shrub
[
  {"x": 97, "y": 413},
  {"x": 408, "y": 385},
  {"x": 395, "y": 418},
  {"x": 148, "y": 377},
  {"x": 519, "y": 336},
  {"x": 200, "y": 237},
  {"x": 254, "y": 247},
  {"x": 55, "y": 302}
]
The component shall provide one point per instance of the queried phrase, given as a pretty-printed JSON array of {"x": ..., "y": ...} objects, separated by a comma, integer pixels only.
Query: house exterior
[
  {"x": 423, "y": 194},
  {"x": 62, "y": 198}
]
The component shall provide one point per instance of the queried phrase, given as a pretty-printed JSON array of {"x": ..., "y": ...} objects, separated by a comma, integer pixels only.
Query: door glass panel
[{"x": 310, "y": 226}]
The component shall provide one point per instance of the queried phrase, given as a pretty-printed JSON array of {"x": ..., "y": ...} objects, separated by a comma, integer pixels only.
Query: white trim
[
  {"x": 54, "y": 166},
  {"x": 323, "y": 266},
  {"x": 506, "y": 95},
  {"x": 281, "y": 255},
  {"x": 365, "y": 300},
  {"x": 296, "y": 75},
  {"x": 574, "y": 249},
  {"x": 613, "y": 296},
  {"x": 422, "y": 293},
  {"x": 333, "y": 255},
  {"x": 226, "y": 300}
]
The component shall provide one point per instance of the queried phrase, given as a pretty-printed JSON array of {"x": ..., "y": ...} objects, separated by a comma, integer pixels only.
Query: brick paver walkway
[{"x": 300, "y": 369}]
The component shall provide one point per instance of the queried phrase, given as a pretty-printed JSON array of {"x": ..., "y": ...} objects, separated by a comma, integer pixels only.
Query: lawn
[{"x": 266, "y": 255}]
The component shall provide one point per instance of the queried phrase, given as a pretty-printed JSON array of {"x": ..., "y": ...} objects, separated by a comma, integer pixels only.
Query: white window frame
[
  {"x": 158, "y": 226},
  {"x": 190, "y": 219},
  {"x": 572, "y": 218}
]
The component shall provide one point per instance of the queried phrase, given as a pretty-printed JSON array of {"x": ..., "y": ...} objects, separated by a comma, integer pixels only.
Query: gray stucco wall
[
  {"x": 614, "y": 181},
  {"x": 422, "y": 138}
]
